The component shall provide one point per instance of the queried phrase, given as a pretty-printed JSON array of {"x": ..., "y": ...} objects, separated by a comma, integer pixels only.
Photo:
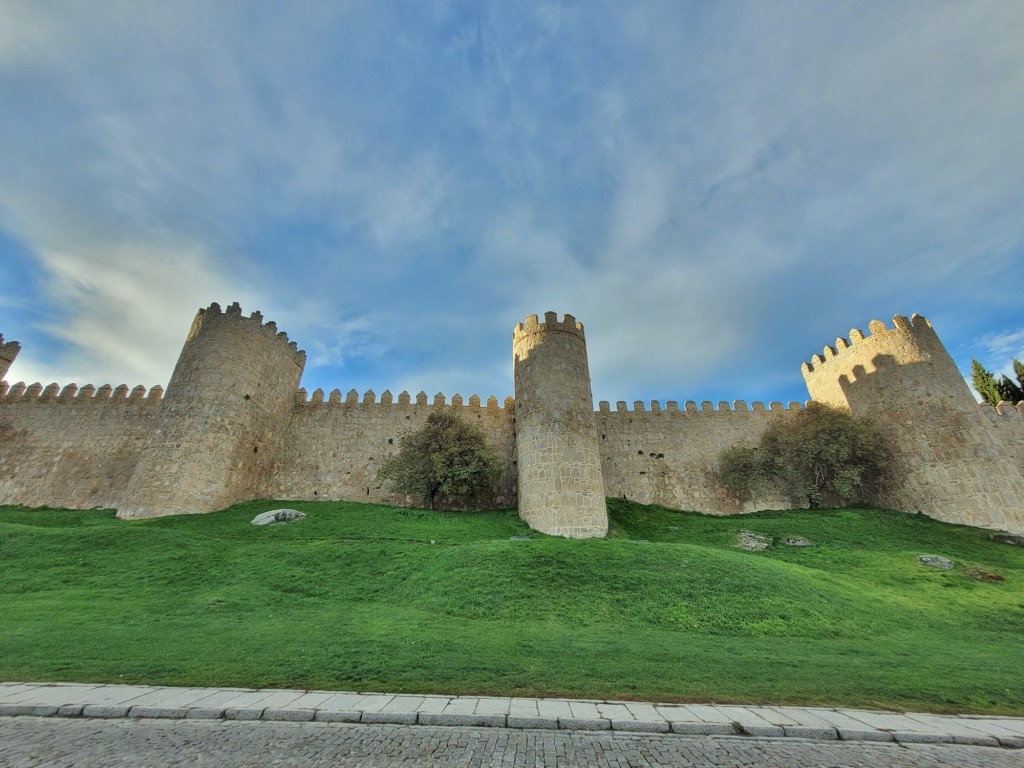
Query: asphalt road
[{"x": 32, "y": 742}]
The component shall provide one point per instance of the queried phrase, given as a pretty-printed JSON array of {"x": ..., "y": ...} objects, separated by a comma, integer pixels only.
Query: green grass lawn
[{"x": 362, "y": 597}]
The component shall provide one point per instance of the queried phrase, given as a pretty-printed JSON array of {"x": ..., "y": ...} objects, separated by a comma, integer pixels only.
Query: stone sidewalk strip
[{"x": 814, "y": 723}]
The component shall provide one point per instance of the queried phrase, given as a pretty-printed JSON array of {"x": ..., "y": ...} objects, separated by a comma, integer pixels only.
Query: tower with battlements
[
  {"x": 8, "y": 351},
  {"x": 947, "y": 460},
  {"x": 227, "y": 402},
  {"x": 561, "y": 488}
]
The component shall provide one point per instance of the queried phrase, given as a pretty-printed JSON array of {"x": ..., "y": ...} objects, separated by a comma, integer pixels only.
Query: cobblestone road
[{"x": 29, "y": 742}]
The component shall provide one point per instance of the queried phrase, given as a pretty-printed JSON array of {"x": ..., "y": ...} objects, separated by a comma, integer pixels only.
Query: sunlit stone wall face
[
  {"x": 561, "y": 489},
  {"x": 954, "y": 460}
]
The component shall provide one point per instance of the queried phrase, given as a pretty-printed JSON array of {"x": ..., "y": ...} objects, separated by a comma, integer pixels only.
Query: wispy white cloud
[{"x": 715, "y": 190}]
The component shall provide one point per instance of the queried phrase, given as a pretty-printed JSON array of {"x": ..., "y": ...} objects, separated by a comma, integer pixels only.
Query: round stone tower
[
  {"x": 561, "y": 489},
  {"x": 946, "y": 463},
  {"x": 231, "y": 391}
]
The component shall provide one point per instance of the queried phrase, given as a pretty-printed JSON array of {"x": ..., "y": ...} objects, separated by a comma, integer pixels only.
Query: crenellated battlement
[
  {"x": 72, "y": 393},
  {"x": 319, "y": 397},
  {"x": 254, "y": 321},
  {"x": 532, "y": 325},
  {"x": 691, "y": 407},
  {"x": 913, "y": 334}
]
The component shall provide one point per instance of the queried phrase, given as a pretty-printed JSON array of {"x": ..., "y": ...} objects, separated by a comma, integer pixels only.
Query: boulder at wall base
[
  {"x": 935, "y": 561},
  {"x": 278, "y": 516},
  {"x": 753, "y": 542}
]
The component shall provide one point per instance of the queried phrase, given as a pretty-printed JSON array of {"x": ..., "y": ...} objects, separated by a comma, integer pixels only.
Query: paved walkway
[
  {"x": 133, "y": 702},
  {"x": 60, "y": 742}
]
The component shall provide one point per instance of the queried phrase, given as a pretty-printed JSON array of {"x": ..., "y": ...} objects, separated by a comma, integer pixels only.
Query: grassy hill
[{"x": 376, "y": 598}]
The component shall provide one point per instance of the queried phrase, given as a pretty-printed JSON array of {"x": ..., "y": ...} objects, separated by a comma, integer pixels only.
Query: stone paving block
[
  {"x": 403, "y": 704},
  {"x": 523, "y": 708},
  {"x": 553, "y": 708},
  {"x": 283, "y": 713},
  {"x": 243, "y": 713},
  {"x": 204, "y": 713},
  {"x": 174, "y": 713},
  {"x": 461, "y": 706},
  {"x": 342, "y": 702},
  {"x": 641, "y": 726},
  {"x": 1011, "y": 742},
  {"x": 433, "y": 704},
  {"x": 337, "y": 716},
  {"x": 310, "y": 700},
  {"x": 493, "y": 706},
  {"x": 996, "y": 726},
  {"x": 279, "y": 699},
  {"x": 105, "y": 710},
  {"x": 117, "y": 694},
  {"x": 810, "y": 732},
  {"x": 834, "y": 718},
  {"x": 461, "y": 718},
  {"x": 525, "y": 721},
  {"x": 779, "y": 716},
  {"x": 980, "y": 740},
  {"x": 746, "y": 717},
  {"x": 374, "y": 702},
  {"x": 231, "y": 699},
  {"x": 708, "y": 713},
  {"x": 675, "y": 712},
  {"x": 56, "y": 695},
  {"x": 643, "y": 711},
  {"x": 614, "y": 711},
  {"x": 763, "y": 730},
  {"x": 584, "y": 724},
  {"x": 853, "y": 734},
  {"x": 394, "y": 718},
  {"x": 918, "y": 737},
  {"x": 691, "y": 728},
  {"x": 34, "y": 710},
  {"x": 171, "y": 697},
  {"x": 584, "y": 710},
  {"x": 70, "y": 710},
  {"x": 889, "y": 721}
]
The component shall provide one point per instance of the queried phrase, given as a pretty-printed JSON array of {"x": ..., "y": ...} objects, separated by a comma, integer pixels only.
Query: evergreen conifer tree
[{"x": 985, "y": 383}]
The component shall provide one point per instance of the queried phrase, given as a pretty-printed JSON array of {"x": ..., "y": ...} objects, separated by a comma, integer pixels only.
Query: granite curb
[{"x": 49, "y": 700}]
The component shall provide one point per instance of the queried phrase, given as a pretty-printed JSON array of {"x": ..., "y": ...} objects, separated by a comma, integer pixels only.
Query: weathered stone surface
[
  {"x": 278, "y": 516},
  {"x": 935, "y": 561},
  {"x": 753, "y": 542},
  {"x": 1008, "y": 538},
  {"x": 798, "y": 542}
]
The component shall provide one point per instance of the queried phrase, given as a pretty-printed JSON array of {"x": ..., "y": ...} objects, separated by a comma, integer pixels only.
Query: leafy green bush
[
  {"x": 446, "y": 458},
  {"x": 818, "y": 456}
]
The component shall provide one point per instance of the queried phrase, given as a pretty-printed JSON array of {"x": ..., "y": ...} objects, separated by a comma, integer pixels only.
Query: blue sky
[{"x": 716, "y": 190}]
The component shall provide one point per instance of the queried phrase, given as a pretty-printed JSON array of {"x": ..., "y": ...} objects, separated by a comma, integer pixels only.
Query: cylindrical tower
[
  {"x": 232, "y": 389},
  {"x": 561, "y": 489}
]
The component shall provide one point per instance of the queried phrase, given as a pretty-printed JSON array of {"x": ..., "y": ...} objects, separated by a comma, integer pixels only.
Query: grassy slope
[{"x": 357, "y": 597}]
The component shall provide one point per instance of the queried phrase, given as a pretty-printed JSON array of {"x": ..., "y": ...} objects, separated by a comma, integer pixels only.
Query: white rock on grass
[{"x": 278, "y": 516}]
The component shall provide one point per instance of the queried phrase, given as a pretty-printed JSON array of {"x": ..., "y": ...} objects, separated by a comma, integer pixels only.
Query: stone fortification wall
[
  {"x": 72, "y": 447},
  {"x": 952, "y": 460},
  {"x": 561, "y": 490},
  {"x": 669, "y": 456},
  {"x": 231, "y": 393},
  {"x": 332, "y": 449}
]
